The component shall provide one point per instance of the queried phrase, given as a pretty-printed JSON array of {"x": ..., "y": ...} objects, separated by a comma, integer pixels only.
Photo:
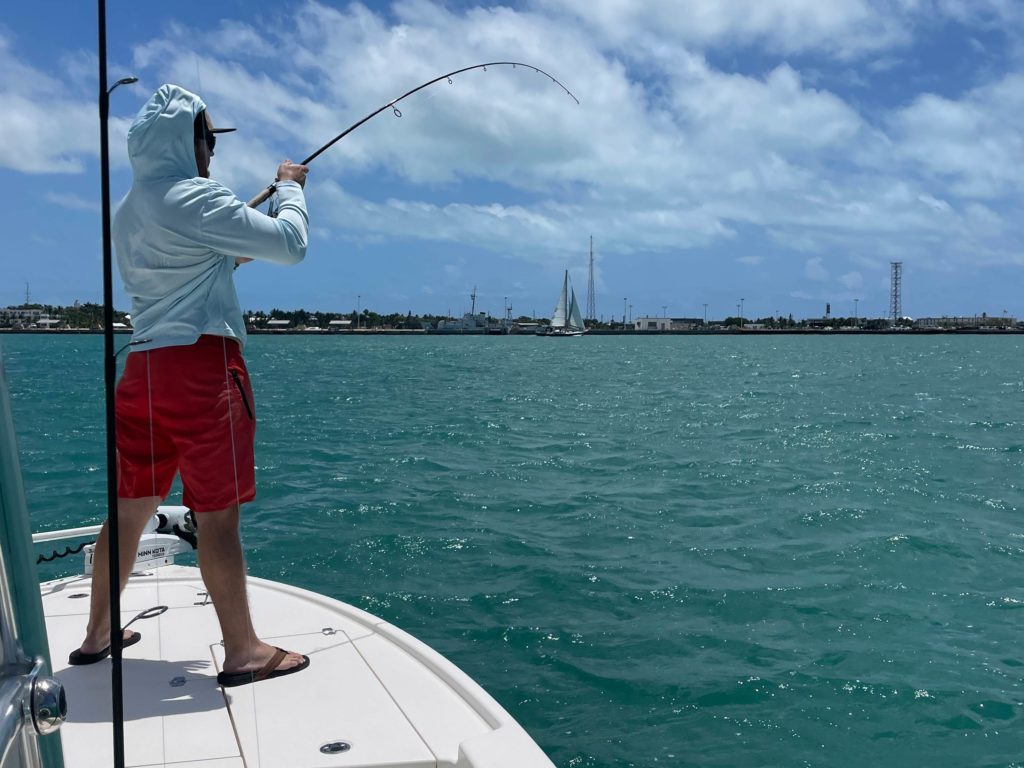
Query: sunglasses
[{"x": 202, "y": 132}]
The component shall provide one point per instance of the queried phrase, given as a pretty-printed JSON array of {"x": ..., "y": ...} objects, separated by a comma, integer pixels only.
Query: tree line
[{"x": 88, "y": 315}]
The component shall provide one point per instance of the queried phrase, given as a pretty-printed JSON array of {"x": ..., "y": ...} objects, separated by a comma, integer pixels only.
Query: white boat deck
[{"x": 394, "y": 700}]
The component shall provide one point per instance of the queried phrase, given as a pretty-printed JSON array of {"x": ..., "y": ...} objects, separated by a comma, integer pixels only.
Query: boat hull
[
  {"x": 370, "y": 685},
  {"x": 560, "y": 332}
]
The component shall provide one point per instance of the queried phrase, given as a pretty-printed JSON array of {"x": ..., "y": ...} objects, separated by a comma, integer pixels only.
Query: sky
[{"x": 775, "y": 153}]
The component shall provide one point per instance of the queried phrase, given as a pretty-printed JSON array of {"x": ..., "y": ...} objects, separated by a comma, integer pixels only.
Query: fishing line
[
  {"x": 266, "y": 193},
  {"x": 251, "y": 630}
]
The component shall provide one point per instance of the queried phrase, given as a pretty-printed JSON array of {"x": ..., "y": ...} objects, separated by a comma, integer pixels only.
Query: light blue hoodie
[{"x": 177, "y": 234}]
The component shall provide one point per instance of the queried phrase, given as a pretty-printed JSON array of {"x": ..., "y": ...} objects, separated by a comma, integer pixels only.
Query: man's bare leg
[
  {"x": 223, "y": 567},
  {"x": 132, "y": 516}
]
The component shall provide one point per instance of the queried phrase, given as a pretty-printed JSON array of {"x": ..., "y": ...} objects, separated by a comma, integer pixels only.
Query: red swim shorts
[{"x": 187, "y": 409}]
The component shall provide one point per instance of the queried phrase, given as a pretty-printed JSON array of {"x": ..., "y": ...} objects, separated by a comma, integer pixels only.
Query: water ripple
[{"x": 679, "y": 551}]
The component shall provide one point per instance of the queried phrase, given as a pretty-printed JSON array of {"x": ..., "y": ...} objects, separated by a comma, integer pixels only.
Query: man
[{"x": 184, "y": 403}]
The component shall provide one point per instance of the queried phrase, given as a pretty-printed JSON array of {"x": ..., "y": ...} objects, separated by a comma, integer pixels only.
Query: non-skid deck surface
[{"x": 395, "y": 702}]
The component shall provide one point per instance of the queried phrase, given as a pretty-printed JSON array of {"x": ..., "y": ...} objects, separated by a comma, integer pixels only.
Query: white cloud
[
  {"x": 43, "y": 128},
  {"x": 972, "y": 144},
  {"x": 983, "y": 220},
  {"x": 842, "y": 30},
  {"x": 843, "y": 27},
  {"x": 940, "y": 206},
  {"x": 237, "y": 38},
  {"x": 985, "y": 13},
  {"x": 72, "y": 201},
  {"x": 47, "y": 125},
  {"x": 815, "y": 270},
  {"x": 852, "y": 280},
  {"x": 667, "y": 152}
]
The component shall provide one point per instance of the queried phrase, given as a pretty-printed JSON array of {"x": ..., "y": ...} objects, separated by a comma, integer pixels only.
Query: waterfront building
[
  {"x": 951, "y": 323},
  {"x": 18, "y": 317},
  {"x": 666, "y": 323}
]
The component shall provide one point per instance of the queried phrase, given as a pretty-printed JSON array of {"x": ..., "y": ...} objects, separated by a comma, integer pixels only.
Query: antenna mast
[
  {"x": 591, "y": 309},
  {"x": 896, "y": 294}
]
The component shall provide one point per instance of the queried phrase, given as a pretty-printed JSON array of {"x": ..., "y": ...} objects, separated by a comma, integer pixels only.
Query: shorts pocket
[{"x": 241, "y": 392}]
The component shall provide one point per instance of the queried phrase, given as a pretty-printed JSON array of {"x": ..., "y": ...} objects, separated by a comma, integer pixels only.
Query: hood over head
[{"x": 160, "y": 139}]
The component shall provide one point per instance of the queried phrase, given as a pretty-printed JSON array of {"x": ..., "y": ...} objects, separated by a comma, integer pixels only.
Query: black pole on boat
[{"x": 110, "y": 374}]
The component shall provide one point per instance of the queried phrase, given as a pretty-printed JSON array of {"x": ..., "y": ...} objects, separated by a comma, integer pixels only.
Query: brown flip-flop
[{"x": 269, "y": 670}]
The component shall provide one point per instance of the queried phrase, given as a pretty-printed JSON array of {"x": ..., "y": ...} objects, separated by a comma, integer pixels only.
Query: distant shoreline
[{"x": 592, "y": 332}]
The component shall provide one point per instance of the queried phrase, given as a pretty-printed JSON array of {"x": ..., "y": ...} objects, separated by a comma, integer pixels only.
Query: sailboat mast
[
  {"x": 564, "y": 302},
  {"x": 591, "y": 299}
]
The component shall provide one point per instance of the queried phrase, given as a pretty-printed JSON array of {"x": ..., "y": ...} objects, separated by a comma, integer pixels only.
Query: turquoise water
[{"x": 688, "y": 551}]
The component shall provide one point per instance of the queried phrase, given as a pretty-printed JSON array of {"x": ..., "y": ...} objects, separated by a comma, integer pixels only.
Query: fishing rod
[{"x": 266, "y": 193}]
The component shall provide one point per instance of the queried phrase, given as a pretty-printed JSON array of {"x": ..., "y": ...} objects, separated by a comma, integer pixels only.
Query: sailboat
[{"x": 566, "y": 320}]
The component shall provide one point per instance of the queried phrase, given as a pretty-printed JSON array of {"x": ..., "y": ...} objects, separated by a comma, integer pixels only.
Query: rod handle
[{"x": 262, "y": 197}]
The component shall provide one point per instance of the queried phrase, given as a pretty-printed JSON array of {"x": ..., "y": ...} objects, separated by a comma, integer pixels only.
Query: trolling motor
[
  {"x": 180, "y": 521},
  {"x": 170, "y": 532}
]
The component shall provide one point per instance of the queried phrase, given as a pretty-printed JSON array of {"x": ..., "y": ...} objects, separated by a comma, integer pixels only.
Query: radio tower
[
  {"x": 591, "y": 309},
  {"x": 896, "y": 294}
]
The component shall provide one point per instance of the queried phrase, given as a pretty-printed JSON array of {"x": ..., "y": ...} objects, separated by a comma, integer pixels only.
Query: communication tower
[
  {"x": 591, "y": 307},
  {"x": 896, "y": 293}
]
